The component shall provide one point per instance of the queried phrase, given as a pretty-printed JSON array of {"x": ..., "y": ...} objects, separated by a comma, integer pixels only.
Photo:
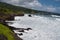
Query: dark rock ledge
[
  {"x": 20, "y": 30},
  {"x": 3, "y": 18},
  {"x": 2, "y": 37},
  {"x": 11, "y": 17}
]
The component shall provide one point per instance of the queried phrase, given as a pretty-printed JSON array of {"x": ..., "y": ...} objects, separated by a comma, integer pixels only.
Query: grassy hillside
[
  {"x": 6, "y": 32},
  {"x": 11, "y": 9},
  {"x": 6, "y": 11},
  {"x": 7, "y": 8}
]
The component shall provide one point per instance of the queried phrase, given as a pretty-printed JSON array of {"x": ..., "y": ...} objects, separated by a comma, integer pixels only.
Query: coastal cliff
[
  {"x": 7, "y": 34},
  {"x": 8, "y": 12}
]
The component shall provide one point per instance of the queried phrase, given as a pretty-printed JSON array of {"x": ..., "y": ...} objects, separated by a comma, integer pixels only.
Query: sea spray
[{"x": 43, "y": 27}]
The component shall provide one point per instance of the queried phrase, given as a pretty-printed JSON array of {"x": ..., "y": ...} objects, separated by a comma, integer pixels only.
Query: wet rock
[
  {"x": 28, "y": 29},
  {"x": 19, "y": 14},
  {"x": 20, "y": 34},
  {"x": 29, "y": 15},
  {"x": 2, "y": 37},
  {"x": 21, "y": 30},
  {"x": 17, "y": 38},
  {"x": 10, "y": 18}
]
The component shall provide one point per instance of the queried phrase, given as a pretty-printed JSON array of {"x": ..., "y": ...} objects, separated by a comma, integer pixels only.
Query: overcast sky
[{"x": 45, "y": 5}]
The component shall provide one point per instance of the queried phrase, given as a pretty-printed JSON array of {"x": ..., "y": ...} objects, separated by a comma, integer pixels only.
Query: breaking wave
[{"x": 43, "y": 27}]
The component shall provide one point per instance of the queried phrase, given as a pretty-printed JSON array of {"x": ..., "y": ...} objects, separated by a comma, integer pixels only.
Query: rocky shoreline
[
  {"x": 15, "y": 35},
  {"x": 2, "y": 37},
  {"x": 11, "y": 17},
  {"x": 3, "y": 18}
]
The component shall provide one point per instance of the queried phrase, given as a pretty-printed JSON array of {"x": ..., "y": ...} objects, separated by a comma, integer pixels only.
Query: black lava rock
[
  {"x": 29, "y": 15},
  {"x": 2, "y": 37},
  {"x": 20, "y": 34},
  {"x": 28, "y": 29}
]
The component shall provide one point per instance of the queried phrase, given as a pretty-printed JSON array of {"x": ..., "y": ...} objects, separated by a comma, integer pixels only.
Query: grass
[{"x": 6, "y": 32}]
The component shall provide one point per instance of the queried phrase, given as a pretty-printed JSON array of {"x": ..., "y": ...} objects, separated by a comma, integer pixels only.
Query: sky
[{"x": 43, "y": 5}]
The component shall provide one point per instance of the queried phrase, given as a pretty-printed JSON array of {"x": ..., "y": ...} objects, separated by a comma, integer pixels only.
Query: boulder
[
  {"x": 19, "y": 14},
  {"x": 2, "y": 37},
  {"x": 28, "y": 29},
  {"x": 21, "y": 30},
  {"x": 17, "y": 38},
  {"x": 20, "y": 34},
  {"x": 29, "y": 15}
]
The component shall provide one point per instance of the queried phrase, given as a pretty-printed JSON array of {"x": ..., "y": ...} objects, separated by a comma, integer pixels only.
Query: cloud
[
  {"x": 50, "y": 8},
  {"x": 38, "y": 6},
  {"x": 17, "y": 1},
  {"x": 0, "y": 0},
  {"x": 57, "y": 0},
  {"x": 33, "y": 4}
]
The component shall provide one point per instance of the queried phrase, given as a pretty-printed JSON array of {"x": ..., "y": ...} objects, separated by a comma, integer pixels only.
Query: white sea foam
[{"x": 43, "y": 28}]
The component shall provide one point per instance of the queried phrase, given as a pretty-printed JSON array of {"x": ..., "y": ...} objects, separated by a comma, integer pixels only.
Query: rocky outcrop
[
  {"x": 28, "y": 29},
  {"x": 29, "y": 15},
  {"x": 11, "y": 16},
  {"x": 2, "y": 37},
  {"x": 20, "y": 34},
  {"x": 3, "y": 18},
  {"x": 16, "y": 37}
]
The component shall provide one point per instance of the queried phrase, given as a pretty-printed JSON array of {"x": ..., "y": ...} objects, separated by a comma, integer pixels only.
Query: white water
[{"x": 43, "y": 28}]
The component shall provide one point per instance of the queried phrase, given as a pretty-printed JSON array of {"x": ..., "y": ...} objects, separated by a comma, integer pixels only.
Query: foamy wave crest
[{"x": 43, "y": 28}]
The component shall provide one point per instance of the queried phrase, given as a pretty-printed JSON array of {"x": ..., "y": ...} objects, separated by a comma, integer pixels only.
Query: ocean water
[{"x": 43, "y": 27}]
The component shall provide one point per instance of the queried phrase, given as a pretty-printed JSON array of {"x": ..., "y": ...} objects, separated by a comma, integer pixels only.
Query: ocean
[{"x": 44, "y": 27}]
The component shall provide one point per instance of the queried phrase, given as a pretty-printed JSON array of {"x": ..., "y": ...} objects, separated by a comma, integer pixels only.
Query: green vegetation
[
  {"x": 12, "y": 9},
  {"x": 6, "y": 32},
  {"x": 6, "y": 10}
]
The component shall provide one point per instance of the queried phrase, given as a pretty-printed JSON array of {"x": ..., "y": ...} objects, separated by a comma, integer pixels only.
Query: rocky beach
[
  {"x": 28, "y": 23},
  {"x": 3, "y": 18},
  {"x": 29, "y": 27}
]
